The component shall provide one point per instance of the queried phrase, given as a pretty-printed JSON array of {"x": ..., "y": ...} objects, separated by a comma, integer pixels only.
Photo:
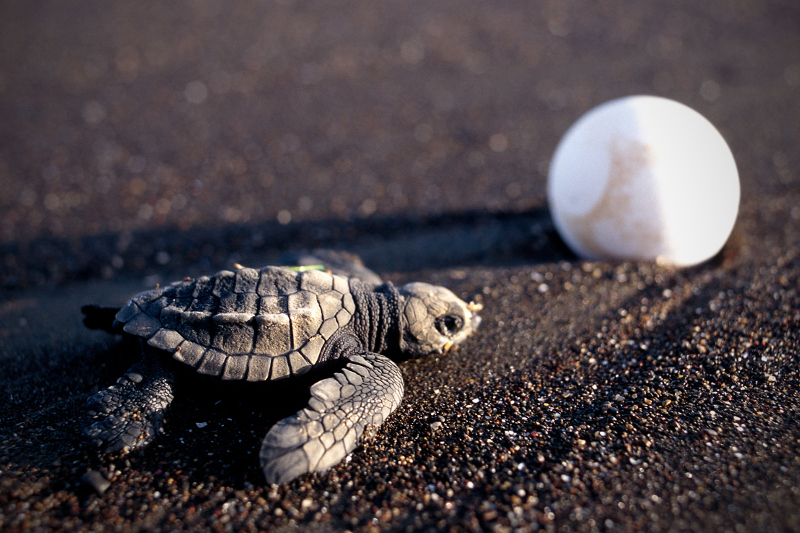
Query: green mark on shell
[{"x": 305, "y": 268}]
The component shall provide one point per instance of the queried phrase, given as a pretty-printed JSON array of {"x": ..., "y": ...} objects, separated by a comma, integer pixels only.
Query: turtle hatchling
[{"x": 342, "y": 327}]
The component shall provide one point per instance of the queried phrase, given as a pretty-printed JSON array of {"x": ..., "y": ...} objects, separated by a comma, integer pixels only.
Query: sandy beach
[{"x": 141, "y": 143}]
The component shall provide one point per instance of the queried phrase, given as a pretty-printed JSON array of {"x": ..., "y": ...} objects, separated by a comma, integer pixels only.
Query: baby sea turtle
[{"x": 344, "y": 325}]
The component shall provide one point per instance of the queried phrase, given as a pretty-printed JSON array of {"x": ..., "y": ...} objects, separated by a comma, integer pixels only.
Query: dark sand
[{"x": 142, "y": 142}]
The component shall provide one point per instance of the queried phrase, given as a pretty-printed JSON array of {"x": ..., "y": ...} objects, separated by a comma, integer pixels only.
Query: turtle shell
[{"x": 253, "y": 325}]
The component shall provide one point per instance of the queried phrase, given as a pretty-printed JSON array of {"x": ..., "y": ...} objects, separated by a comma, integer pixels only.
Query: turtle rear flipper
[
  {"x": 130, "y": 413},
  {"x": 355, "y": 399}
]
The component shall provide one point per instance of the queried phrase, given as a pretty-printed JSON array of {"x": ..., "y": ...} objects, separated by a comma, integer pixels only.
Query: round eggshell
[{"x": 644, "y": 178}]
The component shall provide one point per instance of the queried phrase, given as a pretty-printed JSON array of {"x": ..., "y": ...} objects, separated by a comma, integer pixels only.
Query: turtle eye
[{"x": 449, "y": 325}]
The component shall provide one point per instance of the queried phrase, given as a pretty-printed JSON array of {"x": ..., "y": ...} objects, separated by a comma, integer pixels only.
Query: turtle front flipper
[
  {"x": 358, "y": 397},
  {"x": 130, "y": 413}
]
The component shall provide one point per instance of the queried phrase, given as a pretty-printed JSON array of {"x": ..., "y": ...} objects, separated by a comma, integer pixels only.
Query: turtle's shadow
[
  {"x": 386, "y": 244},
  {"x": 465, "y": 239}
]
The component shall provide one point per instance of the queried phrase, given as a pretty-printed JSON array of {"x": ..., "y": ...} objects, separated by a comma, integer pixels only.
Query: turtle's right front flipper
[
  {"x": 360, "y": 396},
  {"x": 130, "y": 413}
]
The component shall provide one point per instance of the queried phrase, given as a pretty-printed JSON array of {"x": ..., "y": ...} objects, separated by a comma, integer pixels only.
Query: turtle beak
[{"x": 447, "y": 346}]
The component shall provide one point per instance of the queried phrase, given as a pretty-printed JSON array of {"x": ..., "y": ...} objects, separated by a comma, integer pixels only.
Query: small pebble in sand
[
  {"x": 97, "y": 481},
  {"x": 644, "y": 178}
]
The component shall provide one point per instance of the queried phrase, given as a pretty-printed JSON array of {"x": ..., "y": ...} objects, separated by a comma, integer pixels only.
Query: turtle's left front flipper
[
  {"x": 360, "y": 396},
  {"x": 130, "y": 413}
]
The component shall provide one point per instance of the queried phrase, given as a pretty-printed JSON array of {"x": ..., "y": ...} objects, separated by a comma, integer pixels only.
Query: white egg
[{"x": 644, "y": 178}]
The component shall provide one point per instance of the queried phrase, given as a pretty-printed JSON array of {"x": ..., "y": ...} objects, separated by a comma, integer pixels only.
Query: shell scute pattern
[
  {"x": 201, "y": 293},
  {"x": 330, "y": 303},
  {"x": 297, "y": 363},
  {"x": 240, "y": 303},
  {"x": 246, "y": 281},
  {"x": 212, "y": 362},
  {"x": 341, "y": 285},
  {"x": 273, "y": 305},
  {"x": 166, "y": 339},
  {"x": 145, "y": 298},
  {"x": 348, "y": 303},
  {"x": 184, "y": 291},
  {"x": 328, "y": 328},
  {"x": 223, "y": 283},
  {"x": 343, "y": 317},
  {"x": 276, "y": 281},
  {"x": 170, "y": 317},
  {"x": 311, "y": 349},
  {"x": 236, "y": 367},
  {"x": 233, "y": 336},
  {"x": 272, "y": 333},
  {"x": 306, "y": 317},
  {"x": 258, "y": 368},
  {"x": 250, "y": 324},
  {"x": 142, "y": 325},
  {"x": 190, "y": 354},
  {"x": 197, "y": 329},
  {"x": 128, "y": 311},
  {"x": 224, "y": 319},
  {"x": 280, "y": 368},
  {"x": 154, "y": 307},
  {"x": 316, "y": 281}
]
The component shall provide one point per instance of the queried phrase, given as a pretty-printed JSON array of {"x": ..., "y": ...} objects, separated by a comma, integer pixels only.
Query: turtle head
[{"x": 434, "y": 319}]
